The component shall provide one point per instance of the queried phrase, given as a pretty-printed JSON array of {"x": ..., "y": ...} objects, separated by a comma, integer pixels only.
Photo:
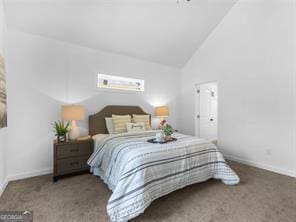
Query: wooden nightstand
[{"x": 71, "y": 157}]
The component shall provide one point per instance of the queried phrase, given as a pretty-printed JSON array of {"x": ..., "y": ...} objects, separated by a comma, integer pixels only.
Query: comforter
[{"x": 139, "y": 172}]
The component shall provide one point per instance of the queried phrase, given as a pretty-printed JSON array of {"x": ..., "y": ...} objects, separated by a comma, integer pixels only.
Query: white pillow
[
  {"x": 109, "y": 125},
  {"x": 135, "y": 127}
]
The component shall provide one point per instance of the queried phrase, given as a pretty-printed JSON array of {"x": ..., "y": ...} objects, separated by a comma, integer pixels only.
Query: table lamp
[
  {"x": 73, "y": 113},
  {"x": 162, "y": 111}
]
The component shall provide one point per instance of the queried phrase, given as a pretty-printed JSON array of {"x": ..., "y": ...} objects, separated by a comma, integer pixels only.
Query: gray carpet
[{"x": 261, "y": 196}]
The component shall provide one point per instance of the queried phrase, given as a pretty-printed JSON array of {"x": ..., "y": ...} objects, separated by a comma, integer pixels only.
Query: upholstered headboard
[{"x": 97, "y": 122}]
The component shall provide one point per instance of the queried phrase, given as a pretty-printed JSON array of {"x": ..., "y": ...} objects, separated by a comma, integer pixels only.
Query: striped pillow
[
  {"x": 119, "y": 123},
  {"x": 142, "y": 119}
]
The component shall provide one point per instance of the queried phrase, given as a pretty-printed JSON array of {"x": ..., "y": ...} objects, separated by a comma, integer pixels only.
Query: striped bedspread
[{"x": 139, "y": 172}]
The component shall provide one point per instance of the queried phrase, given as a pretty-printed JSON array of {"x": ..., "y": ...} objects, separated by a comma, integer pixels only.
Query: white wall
[
  {"x": 3, "y": 131},
  {"x": 250, "y": 54},
  {"x": 45, "y": 73}
]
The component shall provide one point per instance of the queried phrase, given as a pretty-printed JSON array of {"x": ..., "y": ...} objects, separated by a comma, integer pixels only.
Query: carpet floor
[{"x": 261, "y": 196}]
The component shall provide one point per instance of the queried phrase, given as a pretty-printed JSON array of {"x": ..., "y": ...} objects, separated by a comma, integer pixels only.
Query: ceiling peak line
[{"x": 178, "y": 1}]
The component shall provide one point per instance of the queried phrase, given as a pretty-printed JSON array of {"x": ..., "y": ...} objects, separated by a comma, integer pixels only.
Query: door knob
[{"x": 211, "y": 119}]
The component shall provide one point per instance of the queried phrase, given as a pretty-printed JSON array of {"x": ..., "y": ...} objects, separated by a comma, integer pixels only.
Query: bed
[{"x": 139, "y": 172}]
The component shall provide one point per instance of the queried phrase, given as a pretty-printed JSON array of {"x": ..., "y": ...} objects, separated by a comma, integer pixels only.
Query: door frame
[{"x": 197, "y": 107}]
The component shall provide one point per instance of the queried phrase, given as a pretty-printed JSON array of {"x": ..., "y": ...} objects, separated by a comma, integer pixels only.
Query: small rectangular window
[{"x": 118, "y": 82}]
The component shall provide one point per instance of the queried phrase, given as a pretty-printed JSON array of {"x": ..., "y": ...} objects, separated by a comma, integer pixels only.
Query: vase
[
  {"x": 168, "y": 138},
  {"x": 61, "y": 138}
]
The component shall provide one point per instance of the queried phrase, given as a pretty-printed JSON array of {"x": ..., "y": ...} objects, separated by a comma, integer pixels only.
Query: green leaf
[{"x": 168, "y": 129}]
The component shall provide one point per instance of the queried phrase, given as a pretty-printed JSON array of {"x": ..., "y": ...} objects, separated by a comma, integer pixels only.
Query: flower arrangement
[{"x": 168, "y": 131}]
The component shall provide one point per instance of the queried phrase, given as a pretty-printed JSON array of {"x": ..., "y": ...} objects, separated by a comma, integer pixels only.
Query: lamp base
[{"x": 74, "y": 132}]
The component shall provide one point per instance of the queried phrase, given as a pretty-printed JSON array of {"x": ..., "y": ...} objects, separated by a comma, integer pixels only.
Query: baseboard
[
  {"x": 3, "y": 186},
  {"x": 24, "y": 175},
  {"x": 29, "y": 174},
  {"x": 261, "y": 166}
]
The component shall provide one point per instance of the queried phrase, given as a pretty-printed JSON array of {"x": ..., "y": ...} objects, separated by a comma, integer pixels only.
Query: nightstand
[{"x": 71, "y": 157}]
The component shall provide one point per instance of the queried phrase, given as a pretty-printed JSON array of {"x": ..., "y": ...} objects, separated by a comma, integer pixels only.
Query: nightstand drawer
[
  {"x": 70, "y": 157},
  {"x": 72, "y": 165},
  {"x": 65, "y": 151}
]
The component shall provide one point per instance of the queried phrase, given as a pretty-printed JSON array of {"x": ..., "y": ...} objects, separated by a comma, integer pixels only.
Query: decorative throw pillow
[
  {"x": 109, "y": 125},
  {"x": 119, "y": 123},
  {"x": 135, "y": 127},
  {"x": 142, "y": 119}
]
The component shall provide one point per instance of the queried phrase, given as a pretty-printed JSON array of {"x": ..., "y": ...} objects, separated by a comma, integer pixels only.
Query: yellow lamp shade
[
  {"x": 162, "y": 111},
  {"x": 72, "y": 112}
]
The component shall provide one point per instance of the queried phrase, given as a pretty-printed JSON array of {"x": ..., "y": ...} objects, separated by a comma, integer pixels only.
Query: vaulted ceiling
[{"x": 162, "y": 31}]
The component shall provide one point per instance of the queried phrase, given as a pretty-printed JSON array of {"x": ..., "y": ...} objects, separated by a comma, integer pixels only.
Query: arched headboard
[{"x": 97, "y": 122}]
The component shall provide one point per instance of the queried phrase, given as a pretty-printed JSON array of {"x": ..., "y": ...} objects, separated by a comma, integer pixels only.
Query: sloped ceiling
[{"x": 161, "y": 31}]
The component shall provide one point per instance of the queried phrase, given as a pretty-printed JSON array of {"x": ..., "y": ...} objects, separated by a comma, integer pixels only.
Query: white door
[{"x": 206, "y": 110}]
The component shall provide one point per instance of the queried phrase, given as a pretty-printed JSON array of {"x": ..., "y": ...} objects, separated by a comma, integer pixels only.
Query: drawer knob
[
  {"x": 74, "y": 150},
  {"x": 74, "y": 163}
]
